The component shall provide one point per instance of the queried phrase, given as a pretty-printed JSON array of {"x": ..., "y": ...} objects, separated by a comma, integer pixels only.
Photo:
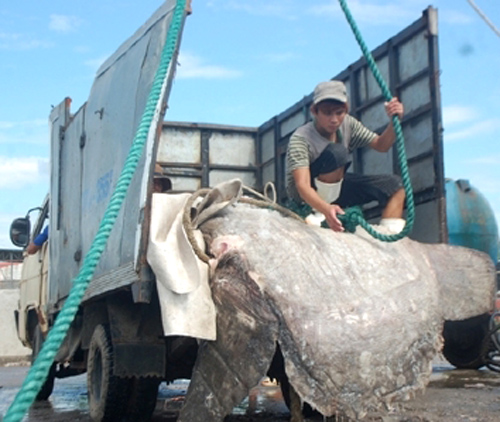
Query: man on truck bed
[{"x": 318, "y": 157}]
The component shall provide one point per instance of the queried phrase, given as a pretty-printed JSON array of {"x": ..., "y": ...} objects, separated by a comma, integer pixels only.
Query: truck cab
[
  {"x": 33, "y": 285},
  {"x": 31, "y": 315}
]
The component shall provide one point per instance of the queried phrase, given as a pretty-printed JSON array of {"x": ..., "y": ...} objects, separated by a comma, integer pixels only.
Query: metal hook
[{"x": 100, "y": 112}]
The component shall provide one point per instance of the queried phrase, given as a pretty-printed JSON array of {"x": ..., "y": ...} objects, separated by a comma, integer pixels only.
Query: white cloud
[
  {"x": 276, "y": 8},
  {"x": 486, "y": 160},
  {"x": 279, "y": 57},
  {"x": 34, "y": 131},
  {"x": 16, "y": 42},
  {"x": 191, "y": 67},
  {"x": 458, "y": 114},
  {"x": 473, "y": 131},
  {"x": 96, "y": 63},
  {"x": 64, "y": 23},
  {"x": 485, "y": 184},
  {"x": 82, "y": 49},
  {"x": 464, "y": 122},
  {"x": 18, "y": 172},
  {"x": 366, "y": 12},
  {"x": 281, "y": 8},
  {"x": 454, "y": 17},
  {"x": 376, "y": 13},
  {"x": 6, "y": 125}
]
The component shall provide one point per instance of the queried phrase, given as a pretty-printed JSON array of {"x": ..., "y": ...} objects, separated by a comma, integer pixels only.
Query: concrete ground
[{"x": 452, "y": 396}]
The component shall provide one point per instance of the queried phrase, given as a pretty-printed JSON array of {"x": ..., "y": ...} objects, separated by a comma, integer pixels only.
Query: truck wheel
[
  {"x": 48, "y": 385},
  {"x": 466, "y": 342},
  {"x": 142, "y": 399},
  {"x": 107, "y": 394}
]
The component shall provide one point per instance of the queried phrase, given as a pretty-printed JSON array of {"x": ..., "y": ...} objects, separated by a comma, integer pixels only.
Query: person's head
[
  {"x": 161, "y": 183},
  {"x": 329, "y": 106}
]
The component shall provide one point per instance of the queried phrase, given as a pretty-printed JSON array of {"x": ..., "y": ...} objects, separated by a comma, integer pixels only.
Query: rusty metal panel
[
  {"x": 426, "y": 224},
  {"x": 367, "y": 86},
  {"x": 180, "y": 145},
  {"x": 119, "y": 277},
  {"x": 197, "y": 155},
  {"x": 422, "y": 174},
  {"x": 413, "y": 55},
  {"x": 418, "y": 137},
  {"x": 89, "y": 158},
  {"x": 416, "y": 95},
  {"x": 185, "y": 183},
  {"x": 291, "y": 123},
  {"x": 268, "y": 173},
  {"x": 232, "y": 149},
  {"x": 219, "y": 176},
  {"x": 376, "y": 163},
  {"x": 374, "y": 115},
  {"x": 267, "y": 144}
]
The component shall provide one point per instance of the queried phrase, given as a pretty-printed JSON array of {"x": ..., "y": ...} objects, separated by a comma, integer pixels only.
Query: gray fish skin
[
  {"x": 247, "y": 331},
  {"x": 358, "y": 320}
]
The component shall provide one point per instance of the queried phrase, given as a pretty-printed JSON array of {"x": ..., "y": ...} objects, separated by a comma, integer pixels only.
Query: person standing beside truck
[
  {"x": 36, "y": 244},
  {"x": 319, "y": 155}
]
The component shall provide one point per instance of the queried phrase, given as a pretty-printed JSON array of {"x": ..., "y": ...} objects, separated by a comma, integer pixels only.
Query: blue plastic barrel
[{"x": 470, "y": 219}]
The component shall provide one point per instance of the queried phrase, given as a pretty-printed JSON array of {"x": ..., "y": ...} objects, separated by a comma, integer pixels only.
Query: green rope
[
  {"x": 354, "y": 216},
  {"x": 38, "y": 372}
]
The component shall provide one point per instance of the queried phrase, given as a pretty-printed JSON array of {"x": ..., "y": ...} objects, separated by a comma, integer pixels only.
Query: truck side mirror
[{"x": 20, "y": 232}]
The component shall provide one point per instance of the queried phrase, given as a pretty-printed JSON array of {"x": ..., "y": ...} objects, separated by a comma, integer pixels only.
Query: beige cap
[
  {"x": 158, "y": 170},
  {"x": 330, "y": 90}
]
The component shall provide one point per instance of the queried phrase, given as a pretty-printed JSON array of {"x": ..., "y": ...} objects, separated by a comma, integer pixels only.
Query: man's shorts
[{"x": 358, "y": 189}]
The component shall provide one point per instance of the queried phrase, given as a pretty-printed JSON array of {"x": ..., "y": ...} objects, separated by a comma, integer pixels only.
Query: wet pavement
[
  {"x": 68, "y": 401},
  {"x": 452, "y": 395}
]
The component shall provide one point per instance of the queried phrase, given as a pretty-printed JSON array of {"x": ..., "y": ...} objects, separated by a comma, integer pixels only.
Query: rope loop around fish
[{"x": 259, "y": 200}]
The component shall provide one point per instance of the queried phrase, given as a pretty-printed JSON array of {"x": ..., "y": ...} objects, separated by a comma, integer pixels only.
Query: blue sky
[{"x": 241, "y": 63}]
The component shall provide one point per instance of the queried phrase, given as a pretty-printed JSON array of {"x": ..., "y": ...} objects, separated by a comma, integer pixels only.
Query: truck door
[{"x": 32, "y": 287}]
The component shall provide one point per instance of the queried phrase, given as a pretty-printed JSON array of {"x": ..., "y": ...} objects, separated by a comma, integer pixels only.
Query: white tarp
[{"x": 181, "y": 278}]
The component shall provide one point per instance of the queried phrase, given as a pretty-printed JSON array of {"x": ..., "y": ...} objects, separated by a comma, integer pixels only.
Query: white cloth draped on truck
[{"x": 181, "y": 277}]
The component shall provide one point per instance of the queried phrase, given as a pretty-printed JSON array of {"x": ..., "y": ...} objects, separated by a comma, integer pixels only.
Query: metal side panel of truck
[{"x": 88, "y": 152}]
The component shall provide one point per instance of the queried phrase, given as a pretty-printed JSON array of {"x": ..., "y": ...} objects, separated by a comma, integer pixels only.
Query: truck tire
[
  {"x": 466, "y": 343},
  {"x": 142, "y": 399},
  {"x": 48, "y": 385},
  {"x": 107, "y": 394}
]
